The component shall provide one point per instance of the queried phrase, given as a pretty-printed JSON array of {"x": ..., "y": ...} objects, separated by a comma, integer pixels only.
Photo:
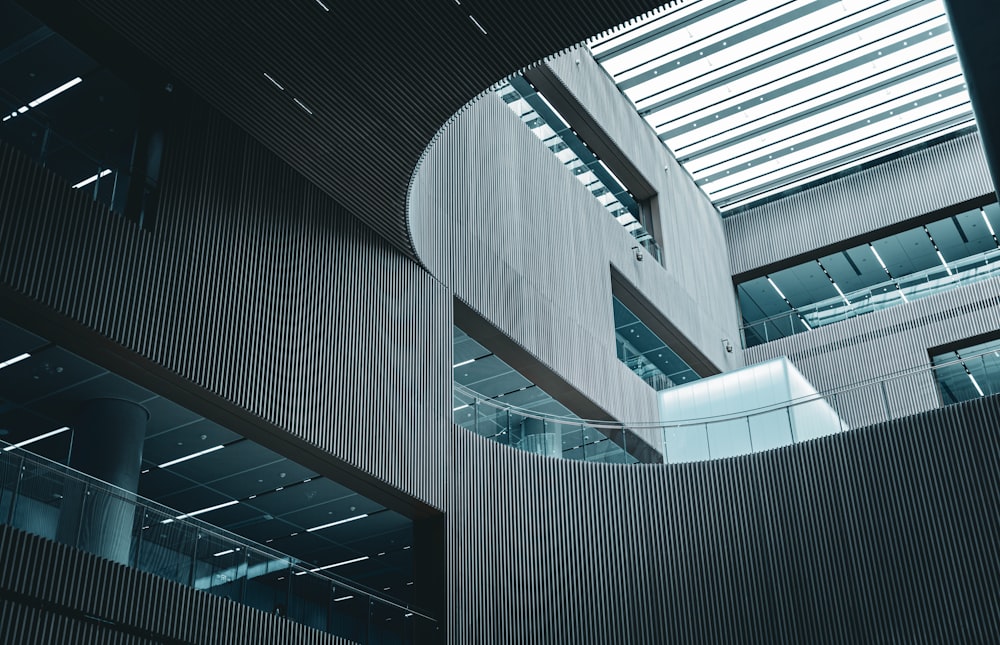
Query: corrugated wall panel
[
  {"x": 886, "y": 534},
  {"x": 891, "y": 193},
  {"x": 254, "y": 286},
  {"x": 365, "y": 72},
  {"x": 51, "y": 593}
]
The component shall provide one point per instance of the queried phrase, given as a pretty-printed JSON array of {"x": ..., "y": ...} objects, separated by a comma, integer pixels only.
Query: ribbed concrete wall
[
  {"x": 855, "y": 206},
  {"x": 53, "y": 594},
  {"x": 266, "y": 305},
  {"x": 882, "y": 343},
  {"x": 500, "y": 221},
  {"x": 881, "y": 535}
]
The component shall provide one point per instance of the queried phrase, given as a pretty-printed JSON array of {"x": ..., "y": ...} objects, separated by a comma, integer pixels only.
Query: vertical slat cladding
[
  {"x": 529, "y": 248},
  {"x": 890, "y": 193},
  {"x": 67, "y": 596},
  {"x": 885, "y": 534},
  {"x": 884, "y": 343},
  {"x": 256, "y": 287}
]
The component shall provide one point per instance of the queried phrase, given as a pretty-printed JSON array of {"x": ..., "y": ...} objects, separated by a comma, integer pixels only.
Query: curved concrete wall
[{"x": 502, "y": 223}]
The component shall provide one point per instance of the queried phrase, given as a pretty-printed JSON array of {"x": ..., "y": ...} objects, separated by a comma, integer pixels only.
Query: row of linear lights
[
  {"x": 42, "y": 99},
  {"x": 326, "y": 8},
  {"x": 874, "y": 251},
  {"x": 26, "y": 355}
]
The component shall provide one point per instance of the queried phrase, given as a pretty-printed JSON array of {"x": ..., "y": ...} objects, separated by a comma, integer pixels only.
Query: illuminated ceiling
[{"x": 758, "y": 98}]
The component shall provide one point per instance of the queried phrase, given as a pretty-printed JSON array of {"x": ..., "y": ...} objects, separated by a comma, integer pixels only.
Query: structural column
[{"x": 108, "y": 436}]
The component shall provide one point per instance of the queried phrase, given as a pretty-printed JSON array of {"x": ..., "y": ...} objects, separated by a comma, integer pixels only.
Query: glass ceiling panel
[{"x": 755, "y": 99}]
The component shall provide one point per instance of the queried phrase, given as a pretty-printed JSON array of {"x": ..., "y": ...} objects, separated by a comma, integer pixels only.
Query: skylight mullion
[
  {"x": 734, "y": 187},
  {"x": 892, "y": 96},
  {"x": 824, "y": 103},
  {"x": 741, "y": 37},
  {"x": 657, "y": 26},
  {"x": 812, "y": 81},
  {"x": 659, "y": 94}
]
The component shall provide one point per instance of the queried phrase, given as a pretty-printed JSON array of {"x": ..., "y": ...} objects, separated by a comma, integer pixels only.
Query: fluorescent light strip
[
  {"x": 342, "y": 598},
  {"x": 38, "y": 438},
  {"x": 476, "y": 23},
  {"x": 985, "y": 219},
  {"x": 226, "y": 552},
  {"x": 59, "y": 90},
  {"x": 199, "y": 512},
  {"x": 90, "y": 180},
  {"x": 332, "y": 566},
  {"x": 471, "y": 360},
  {"x": 16, "y": 359},
  {"x": 879, "y": 258},
  {"x": 808, "y": 326},
  {"x": 325, "y": 8},
  {"x": 837, "y": 287},
  {"x": 303, "y": 106},
  {"x": 777, "y": 289},
  {"x": 345, "y": 521},
  {"x": 192, "y": 456},
  {"x": 274, "y": 82},
  {"x": 461, "y": 407},
  {"x": 976, "y": 385},
  {"x": 945, "y": 264}
]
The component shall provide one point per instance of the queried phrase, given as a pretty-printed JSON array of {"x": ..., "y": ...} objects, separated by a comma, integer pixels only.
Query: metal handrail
[
  {"x": 611, "y": 425},
  {"x": 907, "y": 280},
  {"x": 67, "y": 472}
]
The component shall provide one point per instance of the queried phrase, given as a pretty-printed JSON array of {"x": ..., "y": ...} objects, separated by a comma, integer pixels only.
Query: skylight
[{"x": 757, "y": 98}]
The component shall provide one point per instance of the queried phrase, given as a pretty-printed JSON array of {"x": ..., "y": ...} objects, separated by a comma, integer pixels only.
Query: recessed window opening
[
  {"x": 897, "y": 269},
  {"x": 647, "y": 354},
  {"x": 552, "y": 129},
  {"x": 75, "y": 117},
  {"x": 968, "y": 372}
]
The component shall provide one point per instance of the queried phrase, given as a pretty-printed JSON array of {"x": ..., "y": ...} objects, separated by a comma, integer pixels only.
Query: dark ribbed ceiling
[{"x": 379, "y": 78}]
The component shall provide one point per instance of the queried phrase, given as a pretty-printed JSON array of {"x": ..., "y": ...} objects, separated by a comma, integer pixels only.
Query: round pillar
[{"x": 108, "y": 435}]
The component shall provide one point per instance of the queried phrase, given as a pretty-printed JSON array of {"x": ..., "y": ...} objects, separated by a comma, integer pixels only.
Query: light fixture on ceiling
[
  {"x": 26, "y": 442},
  {"x": 192, "y": 456},
  {"x": 90, "y": 180},
  {"x": 16, "y": 359},
  {"x": 338, "y": 522}
]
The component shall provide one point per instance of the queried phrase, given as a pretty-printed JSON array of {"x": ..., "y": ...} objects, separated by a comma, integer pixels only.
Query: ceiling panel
[{"x": 187, "y": 440}]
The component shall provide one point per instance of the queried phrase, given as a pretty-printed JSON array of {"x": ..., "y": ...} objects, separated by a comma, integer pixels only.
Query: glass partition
[{"x": 56, "y": 502}]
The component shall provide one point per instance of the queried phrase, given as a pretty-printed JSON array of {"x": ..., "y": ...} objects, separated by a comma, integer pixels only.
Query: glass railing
[
  {"x": 895, "y": 396},
  {"x": 923, "y": 284},
  {"x": 56, "y": 502}
]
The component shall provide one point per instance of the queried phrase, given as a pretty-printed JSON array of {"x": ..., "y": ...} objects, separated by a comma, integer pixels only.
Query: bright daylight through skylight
[{"x": 756, "y": 98}]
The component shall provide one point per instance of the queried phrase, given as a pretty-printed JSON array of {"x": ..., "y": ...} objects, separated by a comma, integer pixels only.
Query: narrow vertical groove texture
[
  {"x": 255, "y": 287},
  {"x": 891, "y": 193},
  {"x": 52, "y": 593},
  {"x": 357, "y": 70},
  {"x": 882, "y": 535},
  {"x": 886, "y": 342},
  {"x": 695, "y": 293},
  {"x": 499, "y": 219}
]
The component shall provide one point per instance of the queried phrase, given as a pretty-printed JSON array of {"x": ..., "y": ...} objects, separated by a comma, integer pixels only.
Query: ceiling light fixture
[
  {"x": 976, "y": 385},
  {"x": 16, "y": 359},
  {"x": 332, "y": 566},
  {"x": 303, "y": 106},
  {"x": 342, "y": 598},
  {"x": 471, "y": 360},
  {"x": 777, "y": 289},
  {"x": 201, "y": 511},
  {"x": 476, "y": 23},
  {"x": 59, "y": 90},
  {"x": 90, "y": 180},
  {"x": 986, "y": 219},
  {"x": 345, "y": 521},
  {"x": 324, "y": 7},
  {"x": 38, "y": 438},
  {"x": 943, "y": 263},
  {"x": 192, "y": 456},
  {"x": 274, "y": 82}
]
